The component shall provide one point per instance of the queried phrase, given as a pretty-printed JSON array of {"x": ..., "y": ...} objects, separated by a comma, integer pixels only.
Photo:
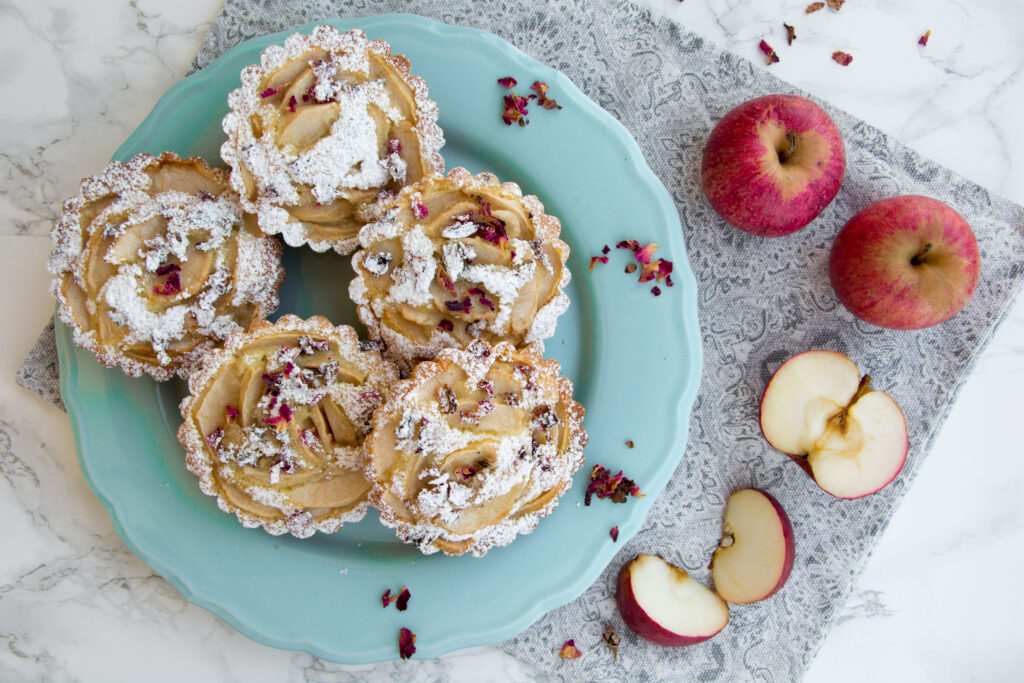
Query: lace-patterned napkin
[{"x": 760, "y": 302}]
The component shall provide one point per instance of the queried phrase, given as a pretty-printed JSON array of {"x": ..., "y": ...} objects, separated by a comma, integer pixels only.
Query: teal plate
[{"x": 635, "y": 360}]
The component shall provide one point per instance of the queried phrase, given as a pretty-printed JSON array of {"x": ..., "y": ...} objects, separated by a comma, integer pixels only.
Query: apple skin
[
  {"x": 790, "y": 548},
  {"x": 772, "y": 164},
  {"x": 905, "y": 263},
  {"x": 642, "y": 624}
]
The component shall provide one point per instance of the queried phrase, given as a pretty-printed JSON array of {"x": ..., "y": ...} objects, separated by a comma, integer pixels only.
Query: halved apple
[
  {"x": 755, "y": 555},
  {"x": 819, "y": 410},
  {"x": 664, "y": 605}
]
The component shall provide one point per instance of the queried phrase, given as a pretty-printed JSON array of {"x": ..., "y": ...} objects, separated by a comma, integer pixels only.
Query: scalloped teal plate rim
[{"x": 586, "y": 119}]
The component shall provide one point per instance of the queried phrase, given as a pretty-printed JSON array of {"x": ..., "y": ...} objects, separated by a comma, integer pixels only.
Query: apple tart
[
  {"x": 474, "y": 448},
  {"x": 457, "y": 258},
  {"x": 155, "y": 263},
  {"x": 275, "y": 422},
  {"x": 320, "y": 128}
]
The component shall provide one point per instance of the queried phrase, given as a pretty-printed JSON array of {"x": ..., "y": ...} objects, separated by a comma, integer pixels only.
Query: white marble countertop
[{"x": 941, "y": 597}]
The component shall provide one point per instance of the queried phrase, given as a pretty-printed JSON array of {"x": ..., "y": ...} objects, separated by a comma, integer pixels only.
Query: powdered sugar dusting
[
  {"x": 292, "y": 461},
  {"x": 470, "y": 469},
  {"x": 150, "y": 288},
  {"x": 355, "y": 157},
  {"x": 463, "y": 271}
]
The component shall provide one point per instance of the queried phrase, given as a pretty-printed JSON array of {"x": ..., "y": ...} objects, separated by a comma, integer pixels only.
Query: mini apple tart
[
  {"x": 320, "y": 128},
  {"x": 155, "y": 263},
  {"x": 458, "y": 258},
  {"x": 275, "y": 422},
  {"x": 475, "y": 448}
]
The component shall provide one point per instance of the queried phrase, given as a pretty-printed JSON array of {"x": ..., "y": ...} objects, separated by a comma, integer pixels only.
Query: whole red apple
[
  {"x": 772, "y": 164},
  {"x": 905, "y": 263}
]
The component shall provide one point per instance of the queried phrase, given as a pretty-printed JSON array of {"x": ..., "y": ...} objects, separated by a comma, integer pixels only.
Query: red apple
[
  {"x": 663, "y": 604},
  {"x": 755, "y": 555},
  {"x": 773, "y": 164},
  {"x": 905, "y": 263},
  {"x": 818, "y": 410}
]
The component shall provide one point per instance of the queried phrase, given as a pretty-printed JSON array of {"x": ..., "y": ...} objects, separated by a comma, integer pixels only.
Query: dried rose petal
[
  {"x": 614, "y": 533},
  {"x": 649, "y": 271},
  {"x": 605, "y": 249},
  {"x": 923, "y": 40},
  {"x": 402, "y": 601},
  {"x": 394, "y": 146},
  {"x": 172, "y": 285},
  {"x": 232, "y": 413},
  {"x": 292, "y": 104},
  {"x": 310, "y": 439},
  {"x": 507, "y": 82},
  {"x": 446, "y": 325},
  {"x": 594, "y": 260},
  {"x": 419, "y": 210},
  {"x": 542, "y": 99},
  {"x": 644, "y": 254},
  {"x": 842, "y": 57},
  {"x": 656, "y": 291},
  {"x": 604, "y": 485},
  {"x": 466, "y": 471},
  {"x": 569, "y": 650},
  {"x": 630, "y": 444},
  {"x": 168, "y": 268},
  {"x": 835, "y": 4},
  {"x": 387, "y": 598},
  {"x": 790, "y": 33},
  {"x": 214, "y": 437},
  {"x": 814, "y": 7},
  {"x": 446, "y": 400},
  {"x": 269, "y": 92},
  {"x": 484, "y": 301},
  {"x": 612, "y": 640},
  {"x": 628, "y": 244},
  {"x": 406, "y": 640},
  {"x": 515, "y": 110},
  {"x": 769, "y": 52},
  {"x": 281, "y": 420},
  {"x": 664, "y": 269},
  {"x": 463, "y": 306}
]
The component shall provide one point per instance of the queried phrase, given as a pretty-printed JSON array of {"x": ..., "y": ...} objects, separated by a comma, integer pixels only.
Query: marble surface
[{"x": 75, "y": 604}]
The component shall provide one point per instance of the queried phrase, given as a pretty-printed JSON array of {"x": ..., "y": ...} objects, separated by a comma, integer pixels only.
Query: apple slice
[
  {"x": 818, "y": 410},
  {"x": 664, "y": 605},
  {"x": 755, "y": 555}
]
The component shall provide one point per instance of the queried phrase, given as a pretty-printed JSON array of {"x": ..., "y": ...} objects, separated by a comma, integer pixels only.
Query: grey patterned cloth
[{"x": 761, "y": 301}]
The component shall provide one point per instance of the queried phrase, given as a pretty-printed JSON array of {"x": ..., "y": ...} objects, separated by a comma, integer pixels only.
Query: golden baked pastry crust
[
  {"x": 457, "y": 258},
  {"x": 322, "y": 126},
  {"x": 155, "y": 263},
  {"x": 475, "y": 448},
  {"x": 275, "y": 422}
]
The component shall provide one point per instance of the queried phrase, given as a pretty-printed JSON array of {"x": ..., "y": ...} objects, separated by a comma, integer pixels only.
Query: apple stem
[
  {"x": 863, "y": 388},
  {"x": 918, "y": 258},
  {"x": 785, "y": 154}
]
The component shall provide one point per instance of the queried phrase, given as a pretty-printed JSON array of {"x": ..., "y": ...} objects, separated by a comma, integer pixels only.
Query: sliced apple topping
[{"x": 818, "y": 410}]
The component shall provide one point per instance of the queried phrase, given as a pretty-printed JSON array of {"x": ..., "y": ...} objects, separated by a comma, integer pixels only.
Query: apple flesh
[
  {"x": 755, "y": 555},
  {"x": 905, "y": 263},
  {"x": 665, "y": 605},
  {"x": 818, "y": 410},
  {"x": 772, "y": 164}
]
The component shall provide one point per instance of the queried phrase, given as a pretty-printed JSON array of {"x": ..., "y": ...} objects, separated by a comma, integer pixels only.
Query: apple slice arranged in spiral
[
  {"x": 665, "y": 605},
  {"x": 755, "y": 555},
  {"x": 819, "y": 410}
]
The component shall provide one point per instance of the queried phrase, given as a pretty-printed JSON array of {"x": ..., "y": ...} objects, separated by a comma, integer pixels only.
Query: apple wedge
[
  {"x": 819, "y": 410},
  {"x": 664, "y": 605},
  {"x": 755, "y": 555}
]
